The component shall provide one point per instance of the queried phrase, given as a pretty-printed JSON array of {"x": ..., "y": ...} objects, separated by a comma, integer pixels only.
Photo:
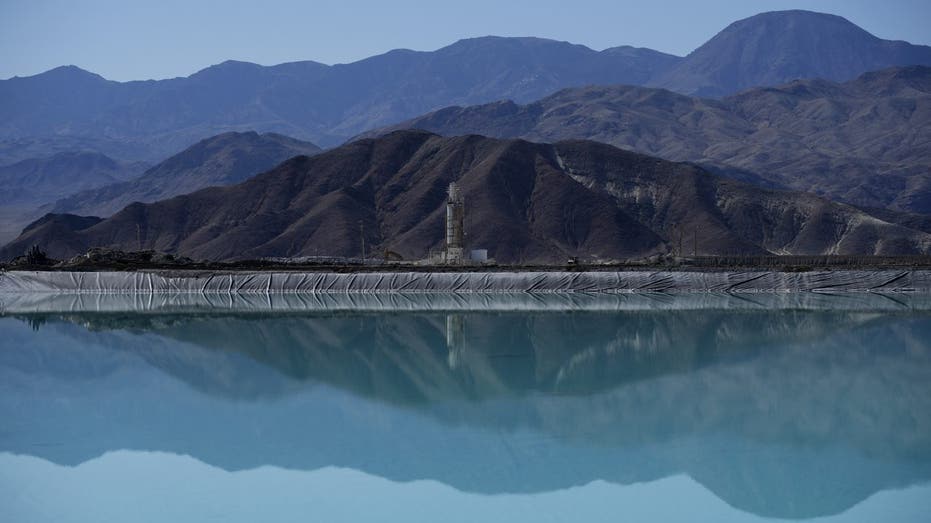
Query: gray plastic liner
[
  {"x": 462, "y": 282},
  {"x": 163, "y": 291}
]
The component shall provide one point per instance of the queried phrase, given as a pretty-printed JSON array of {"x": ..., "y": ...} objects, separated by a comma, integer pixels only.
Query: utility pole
[
  {"x": 362, "y": 237},
  {"x": 694, "y": 241}
]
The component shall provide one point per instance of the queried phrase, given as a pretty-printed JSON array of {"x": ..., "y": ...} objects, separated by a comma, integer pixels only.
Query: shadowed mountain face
[
  {"x": 41, "y": 180},
  {"x": 30, "y": 183},
  {"x": 865, "y": 141},
  {"x": 784, "y": 413},
  {"x": 225, "y": 159},
  {"x": 525, "y": 202},
  {"x": 327, "y": 104},
  {"x": 777, "y": 47}
]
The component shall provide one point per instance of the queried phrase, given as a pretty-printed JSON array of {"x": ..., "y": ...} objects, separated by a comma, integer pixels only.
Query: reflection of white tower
[
  {"x": 455, "y": 214},
  {"x": 455, "y": 339}
]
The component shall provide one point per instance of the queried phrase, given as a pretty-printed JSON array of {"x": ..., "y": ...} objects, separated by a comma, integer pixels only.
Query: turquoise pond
[{"x": 667, "y": 409}]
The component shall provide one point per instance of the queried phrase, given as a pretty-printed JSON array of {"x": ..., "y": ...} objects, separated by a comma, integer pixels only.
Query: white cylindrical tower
[{"x": 455, "y": 214}]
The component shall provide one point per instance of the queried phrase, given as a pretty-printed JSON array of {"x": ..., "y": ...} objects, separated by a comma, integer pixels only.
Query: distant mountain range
[
  {"x": 307, "y": 100},
  {"x": 866, "y": 141},
  {"x": 327, "y": 104},
  {"x": 527, "y": 202},
  {"x": 224, "y": 159}
]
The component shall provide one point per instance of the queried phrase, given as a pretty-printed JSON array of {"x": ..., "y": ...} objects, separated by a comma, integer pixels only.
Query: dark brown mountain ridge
[{"x": 526, "y": 202}]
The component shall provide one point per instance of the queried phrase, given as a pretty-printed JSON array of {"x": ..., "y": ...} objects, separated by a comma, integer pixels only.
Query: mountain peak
[
  {"x": 493, "y": 43},
  {"x": 235, "y": 64},
  {"x": 228, "y": 67},
  {"x": 629, "y": 50},
  {"x": 797, "y": 14},
  {"x": 495, "y": 39},
  {"x": 777, "y": 47},
  {"x": 69, "y": 73},
  {"x": 796, "y": 21}
]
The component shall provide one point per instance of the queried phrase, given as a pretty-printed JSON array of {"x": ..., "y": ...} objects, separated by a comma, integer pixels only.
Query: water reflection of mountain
[{"x": 785, "y": 413}]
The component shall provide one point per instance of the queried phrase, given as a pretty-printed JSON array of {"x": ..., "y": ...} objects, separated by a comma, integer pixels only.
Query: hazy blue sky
[{"x": 128, "y": 40}]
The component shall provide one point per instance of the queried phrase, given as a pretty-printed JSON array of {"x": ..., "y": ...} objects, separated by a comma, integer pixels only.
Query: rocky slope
[
  {"x": 866, "y": 141},
  {"x": 526, "y": 202}
]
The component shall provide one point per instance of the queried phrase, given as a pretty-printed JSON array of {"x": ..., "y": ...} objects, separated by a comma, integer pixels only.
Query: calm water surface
[{"x": 680, "y": 414}]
